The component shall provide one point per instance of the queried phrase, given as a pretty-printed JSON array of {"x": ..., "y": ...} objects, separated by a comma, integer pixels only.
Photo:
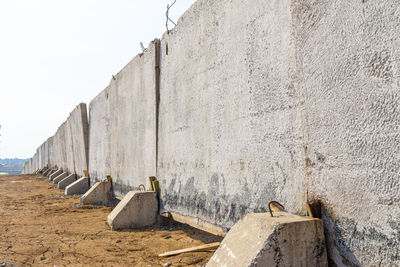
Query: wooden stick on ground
[{"x": 203, "y": 247}]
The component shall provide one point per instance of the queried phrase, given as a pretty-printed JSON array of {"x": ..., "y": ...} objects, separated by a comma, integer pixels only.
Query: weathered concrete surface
[
  {"x": 68, "y": 148},
  {"x": 43, "y": 170},
  {"x": 48, "y": 173},
  {"x": 348, "y": 79},
  {"x": 123, "y": 126},
  {"x": 45, "y": 151},
  {"x": 70, "y": 143},
  {"x": 60, "y": 177},
  {"x": 55, "y": 174},
  {"x": 28, "y": 167},
  {"x": 137, "y": 209},
  {"x": 50, "y": 148},
  {"x": 59, "y": 147},
  {"x": 80, "y": 134},
  {"x": 283, "y": 240},
  {"x": 99, "y": 194},
  {"x": 99, "y": 138},
  {"x": 43, "y": 154},
  {"x": 45, "y": 173},
  {"x": 132, "y": 126},
  {"x": 76, "y": 140},
  {"x": 80, "y": 186},
  {"x": 229, "y": 134},
  {"x": 304, "y": 101},
  {"x": 51, "y": 172},
  {"x": 66, "y": 181},
  {"x": 287, "y": 100}
]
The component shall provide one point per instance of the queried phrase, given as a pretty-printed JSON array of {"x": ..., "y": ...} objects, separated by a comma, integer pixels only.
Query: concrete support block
[
  {"x": 99, "y": 194},
  {"x": 60, "y": 177},
  {"x": 49, "y": 172},
  {"x": 66, "y": 181},
  {"x": 46, "y": 172},
  {"x": 54, "y": 175},
  {"x": 136, "y": 209},
  {"x": 80, "y": 186},
  {"x": 283, "y": 240},
  {"x": 42, "y": 170}
]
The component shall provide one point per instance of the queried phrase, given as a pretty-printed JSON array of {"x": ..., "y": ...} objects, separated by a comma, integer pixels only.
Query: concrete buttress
[
  {"x": 137, "y": 209},
  {"x": 283, "y": 240}
]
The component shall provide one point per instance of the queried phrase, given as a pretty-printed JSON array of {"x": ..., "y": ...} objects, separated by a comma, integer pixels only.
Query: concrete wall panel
[
  {"x": 50, "y": 151},
  {"x": 259, "y": 100},
  {"x": 132, "y": 127},
  {"x": 69, "y": 146},
  {"x": 230, "y": 136},
  {"x": 123, "y": 126},
  {"x": 59, "y": 147},
  {"x": 348, "y": 59},
  {"x": 75, "y": 137},
  {"x": 99, "y": 138},
  {"x": 80, "y": 138}
]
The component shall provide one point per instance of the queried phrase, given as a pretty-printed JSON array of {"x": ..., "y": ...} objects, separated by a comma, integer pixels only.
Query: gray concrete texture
[
  {"x": 99, "y": 139},
  {"x": 45, "y": 174},
  {"x": 123, "y": 126},
  {"x": 50, "y": 152},
  {"x": 229, "y": 134},
  {"x": 280, "y": 100},
  {"x": 289, "y": 100},
  {"x": 44, "y": 154},
  {"x": 137, "y": 209},
  {"x": 78, "y": 187},
  {"x": 66, "y": 181},
  {"x": 283, "y": 240},
  {"x": 60, "y": 177},
  {"x": 99, "y": 194},
  {"x": 51, "y": 172},
  {"x": 55, "y": 174},
  {"x": 70, "y": 143}
]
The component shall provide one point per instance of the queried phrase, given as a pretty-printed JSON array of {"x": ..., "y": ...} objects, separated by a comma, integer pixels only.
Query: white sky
[{"x": 55, "y": 54}]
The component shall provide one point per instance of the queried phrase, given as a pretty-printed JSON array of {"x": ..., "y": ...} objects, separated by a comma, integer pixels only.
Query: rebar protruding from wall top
[
  {"x": 167, "y": 15},
  {"x": 142, "y": 46}
]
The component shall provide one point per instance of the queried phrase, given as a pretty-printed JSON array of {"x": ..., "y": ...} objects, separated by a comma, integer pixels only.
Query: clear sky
[{"x": 55, "y": 54}]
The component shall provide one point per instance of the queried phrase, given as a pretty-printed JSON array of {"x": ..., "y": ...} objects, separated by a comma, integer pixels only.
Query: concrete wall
[
  {"x": 230, "y": 135},
  {"x": 289, "y": 100},
  {"x": 348, "y": 80},
  {"x": 50, "y": 147},
  {"x": 123, "y": 126},
  {"x": 68, "y": 148},
  {"x": 44, "y": 153},
  {"x": 280, "y": 101},
  {"x": 99, "y": 137},
  {"x": 74, "y": 141},
  {"x": 59, "y": 147},
  {"x": 27, "y": 167}
]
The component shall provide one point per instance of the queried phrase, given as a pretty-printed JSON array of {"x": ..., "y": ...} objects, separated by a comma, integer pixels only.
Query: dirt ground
[{"x": 39, "y": 227}]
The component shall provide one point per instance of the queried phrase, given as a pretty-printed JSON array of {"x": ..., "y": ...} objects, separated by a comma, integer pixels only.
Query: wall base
[
  {"x": 66, "y": 181},
  {"x": 137, "y": 209},
  {"x": 60, "y": 178},
  {"x": 54, "y": 175},
  {"x": 80, "y": 186},
  {"x": 283, "y": 240},
  {"x": 99, "y": 194}
]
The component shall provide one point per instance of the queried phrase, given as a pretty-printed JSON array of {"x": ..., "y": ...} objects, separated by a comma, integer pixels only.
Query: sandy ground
[{"x": 39, "y": 227}]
